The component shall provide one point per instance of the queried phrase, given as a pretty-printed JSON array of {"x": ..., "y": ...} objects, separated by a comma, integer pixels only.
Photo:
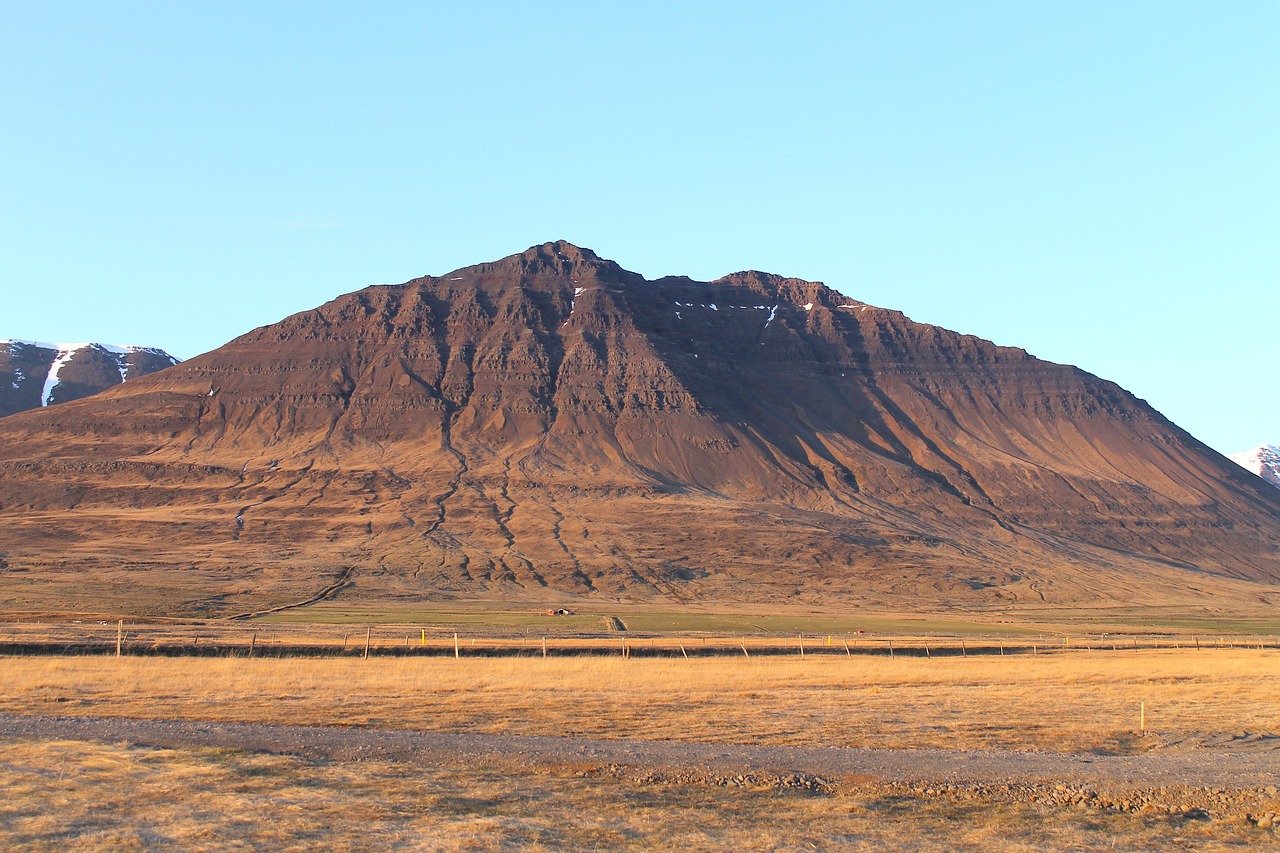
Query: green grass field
[{"x": 639, "y": 621}]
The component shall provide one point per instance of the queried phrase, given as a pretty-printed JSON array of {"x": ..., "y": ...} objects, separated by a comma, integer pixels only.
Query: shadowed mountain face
[{"x": 552, "y": 424}]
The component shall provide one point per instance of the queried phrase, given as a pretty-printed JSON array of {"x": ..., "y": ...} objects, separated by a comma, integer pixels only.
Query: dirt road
[{"x": 1247, "y": 763}]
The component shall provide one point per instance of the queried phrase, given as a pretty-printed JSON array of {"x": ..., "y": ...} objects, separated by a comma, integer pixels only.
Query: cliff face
[
  {"x": 35, "y": 374},
  {"x": 552, "y": 424}
]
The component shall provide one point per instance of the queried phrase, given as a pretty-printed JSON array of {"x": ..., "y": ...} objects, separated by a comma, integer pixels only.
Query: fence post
[
  {"x": 119, "y": 637},
  {"x": 457, "y": 652}
]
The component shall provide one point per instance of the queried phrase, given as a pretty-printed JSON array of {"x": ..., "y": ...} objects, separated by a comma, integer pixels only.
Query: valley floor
[{"x": 717, "y": 754}]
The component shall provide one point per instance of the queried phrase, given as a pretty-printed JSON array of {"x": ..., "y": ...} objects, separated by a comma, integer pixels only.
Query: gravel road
[{"x": 1245, "y": 765}]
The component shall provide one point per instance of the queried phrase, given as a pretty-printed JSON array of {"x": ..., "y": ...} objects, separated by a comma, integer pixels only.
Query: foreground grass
[
  {"x": 78, "y": 796},
  {"x": 1083, "y": 701}
]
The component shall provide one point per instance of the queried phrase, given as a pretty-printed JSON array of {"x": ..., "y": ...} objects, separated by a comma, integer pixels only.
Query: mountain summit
[{"x": 551, "y": 424}]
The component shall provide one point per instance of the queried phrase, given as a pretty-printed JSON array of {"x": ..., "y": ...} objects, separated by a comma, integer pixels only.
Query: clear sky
[{"x": 1098, "y": 183}]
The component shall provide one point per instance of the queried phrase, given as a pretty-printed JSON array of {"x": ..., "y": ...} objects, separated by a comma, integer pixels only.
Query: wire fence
[{"x": 246, "y": 640}]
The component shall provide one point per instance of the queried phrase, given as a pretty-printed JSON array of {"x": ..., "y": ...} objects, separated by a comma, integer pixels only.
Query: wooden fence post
[
  {"x": 457, "y": 652},
  {"x": 119, "y": 637}
]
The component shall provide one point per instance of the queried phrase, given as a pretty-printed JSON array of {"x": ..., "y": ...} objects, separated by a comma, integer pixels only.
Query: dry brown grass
[
  {"x": 1080, "y": 701},
  {"x": 77, "y": 796}
]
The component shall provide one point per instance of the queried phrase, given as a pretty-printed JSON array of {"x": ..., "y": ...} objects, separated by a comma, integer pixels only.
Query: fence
[{"x": 247, "y": 640}]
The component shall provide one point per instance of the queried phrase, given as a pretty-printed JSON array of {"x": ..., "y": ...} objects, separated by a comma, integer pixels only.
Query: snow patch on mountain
[
  {"x": 51, "y": 381},
  {"x": 1263, "y": 460}
]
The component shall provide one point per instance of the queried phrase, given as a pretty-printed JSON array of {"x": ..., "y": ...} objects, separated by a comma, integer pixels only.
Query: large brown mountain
[{"x": 551, "y": 424}]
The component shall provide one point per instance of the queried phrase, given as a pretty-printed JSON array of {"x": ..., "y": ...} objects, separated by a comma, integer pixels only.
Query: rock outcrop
[{"x": 552, "y": 424}]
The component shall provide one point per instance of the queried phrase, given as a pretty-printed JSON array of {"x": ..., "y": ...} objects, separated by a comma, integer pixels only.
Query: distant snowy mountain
[
  {"x": 1263, "y": 460},
  {"x": 35, "y": 374}
]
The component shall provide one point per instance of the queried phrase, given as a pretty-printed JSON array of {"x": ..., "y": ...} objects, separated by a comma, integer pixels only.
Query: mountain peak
[
  {"x": 561, "y": 250},
  {"x": 558, "y": 258}
]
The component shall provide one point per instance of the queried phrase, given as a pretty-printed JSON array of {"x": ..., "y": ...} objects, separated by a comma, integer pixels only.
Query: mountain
[
  {"x": 552, "y": 425},
  {"x": 35, "y": 374},
  {"x": 1263, "y": 460}
]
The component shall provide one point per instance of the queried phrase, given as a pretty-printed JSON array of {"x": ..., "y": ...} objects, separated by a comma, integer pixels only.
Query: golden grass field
[
  {"x": 1085, "y": 700},
  {"x": 68, "y": 795}
]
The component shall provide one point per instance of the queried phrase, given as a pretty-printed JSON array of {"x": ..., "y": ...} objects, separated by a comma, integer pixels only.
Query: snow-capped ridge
[
  {"x": 118, "y": 349},
  {"x": 58, "y": 355}
]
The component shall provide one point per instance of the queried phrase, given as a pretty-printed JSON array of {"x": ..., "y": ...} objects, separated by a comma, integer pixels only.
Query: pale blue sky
[{"x": 1095, "y": 182}]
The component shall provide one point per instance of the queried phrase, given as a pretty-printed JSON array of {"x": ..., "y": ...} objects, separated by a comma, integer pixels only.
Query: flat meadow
[
  {"x": 69, "y": 794},
  {"x": 1080, "y": 701}
]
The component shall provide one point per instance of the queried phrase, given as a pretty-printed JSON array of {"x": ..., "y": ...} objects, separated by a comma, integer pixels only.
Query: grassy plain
[
  {"x": 66, "y": 795},
  {"x": 1081, "y": 701},
  {"x": 638, "y": 620}
]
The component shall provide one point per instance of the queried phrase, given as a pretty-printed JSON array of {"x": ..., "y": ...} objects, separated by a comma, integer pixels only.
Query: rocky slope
[
  {"x": 35, "y": 374},
  {"x": 1263, "y": 460},
  {"x": 551, "y": 424}
]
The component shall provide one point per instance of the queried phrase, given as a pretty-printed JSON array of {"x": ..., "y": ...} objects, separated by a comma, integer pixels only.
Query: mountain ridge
[
  {"x": 551, "y": 424},
  {"x": 35, "y": 374}
]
